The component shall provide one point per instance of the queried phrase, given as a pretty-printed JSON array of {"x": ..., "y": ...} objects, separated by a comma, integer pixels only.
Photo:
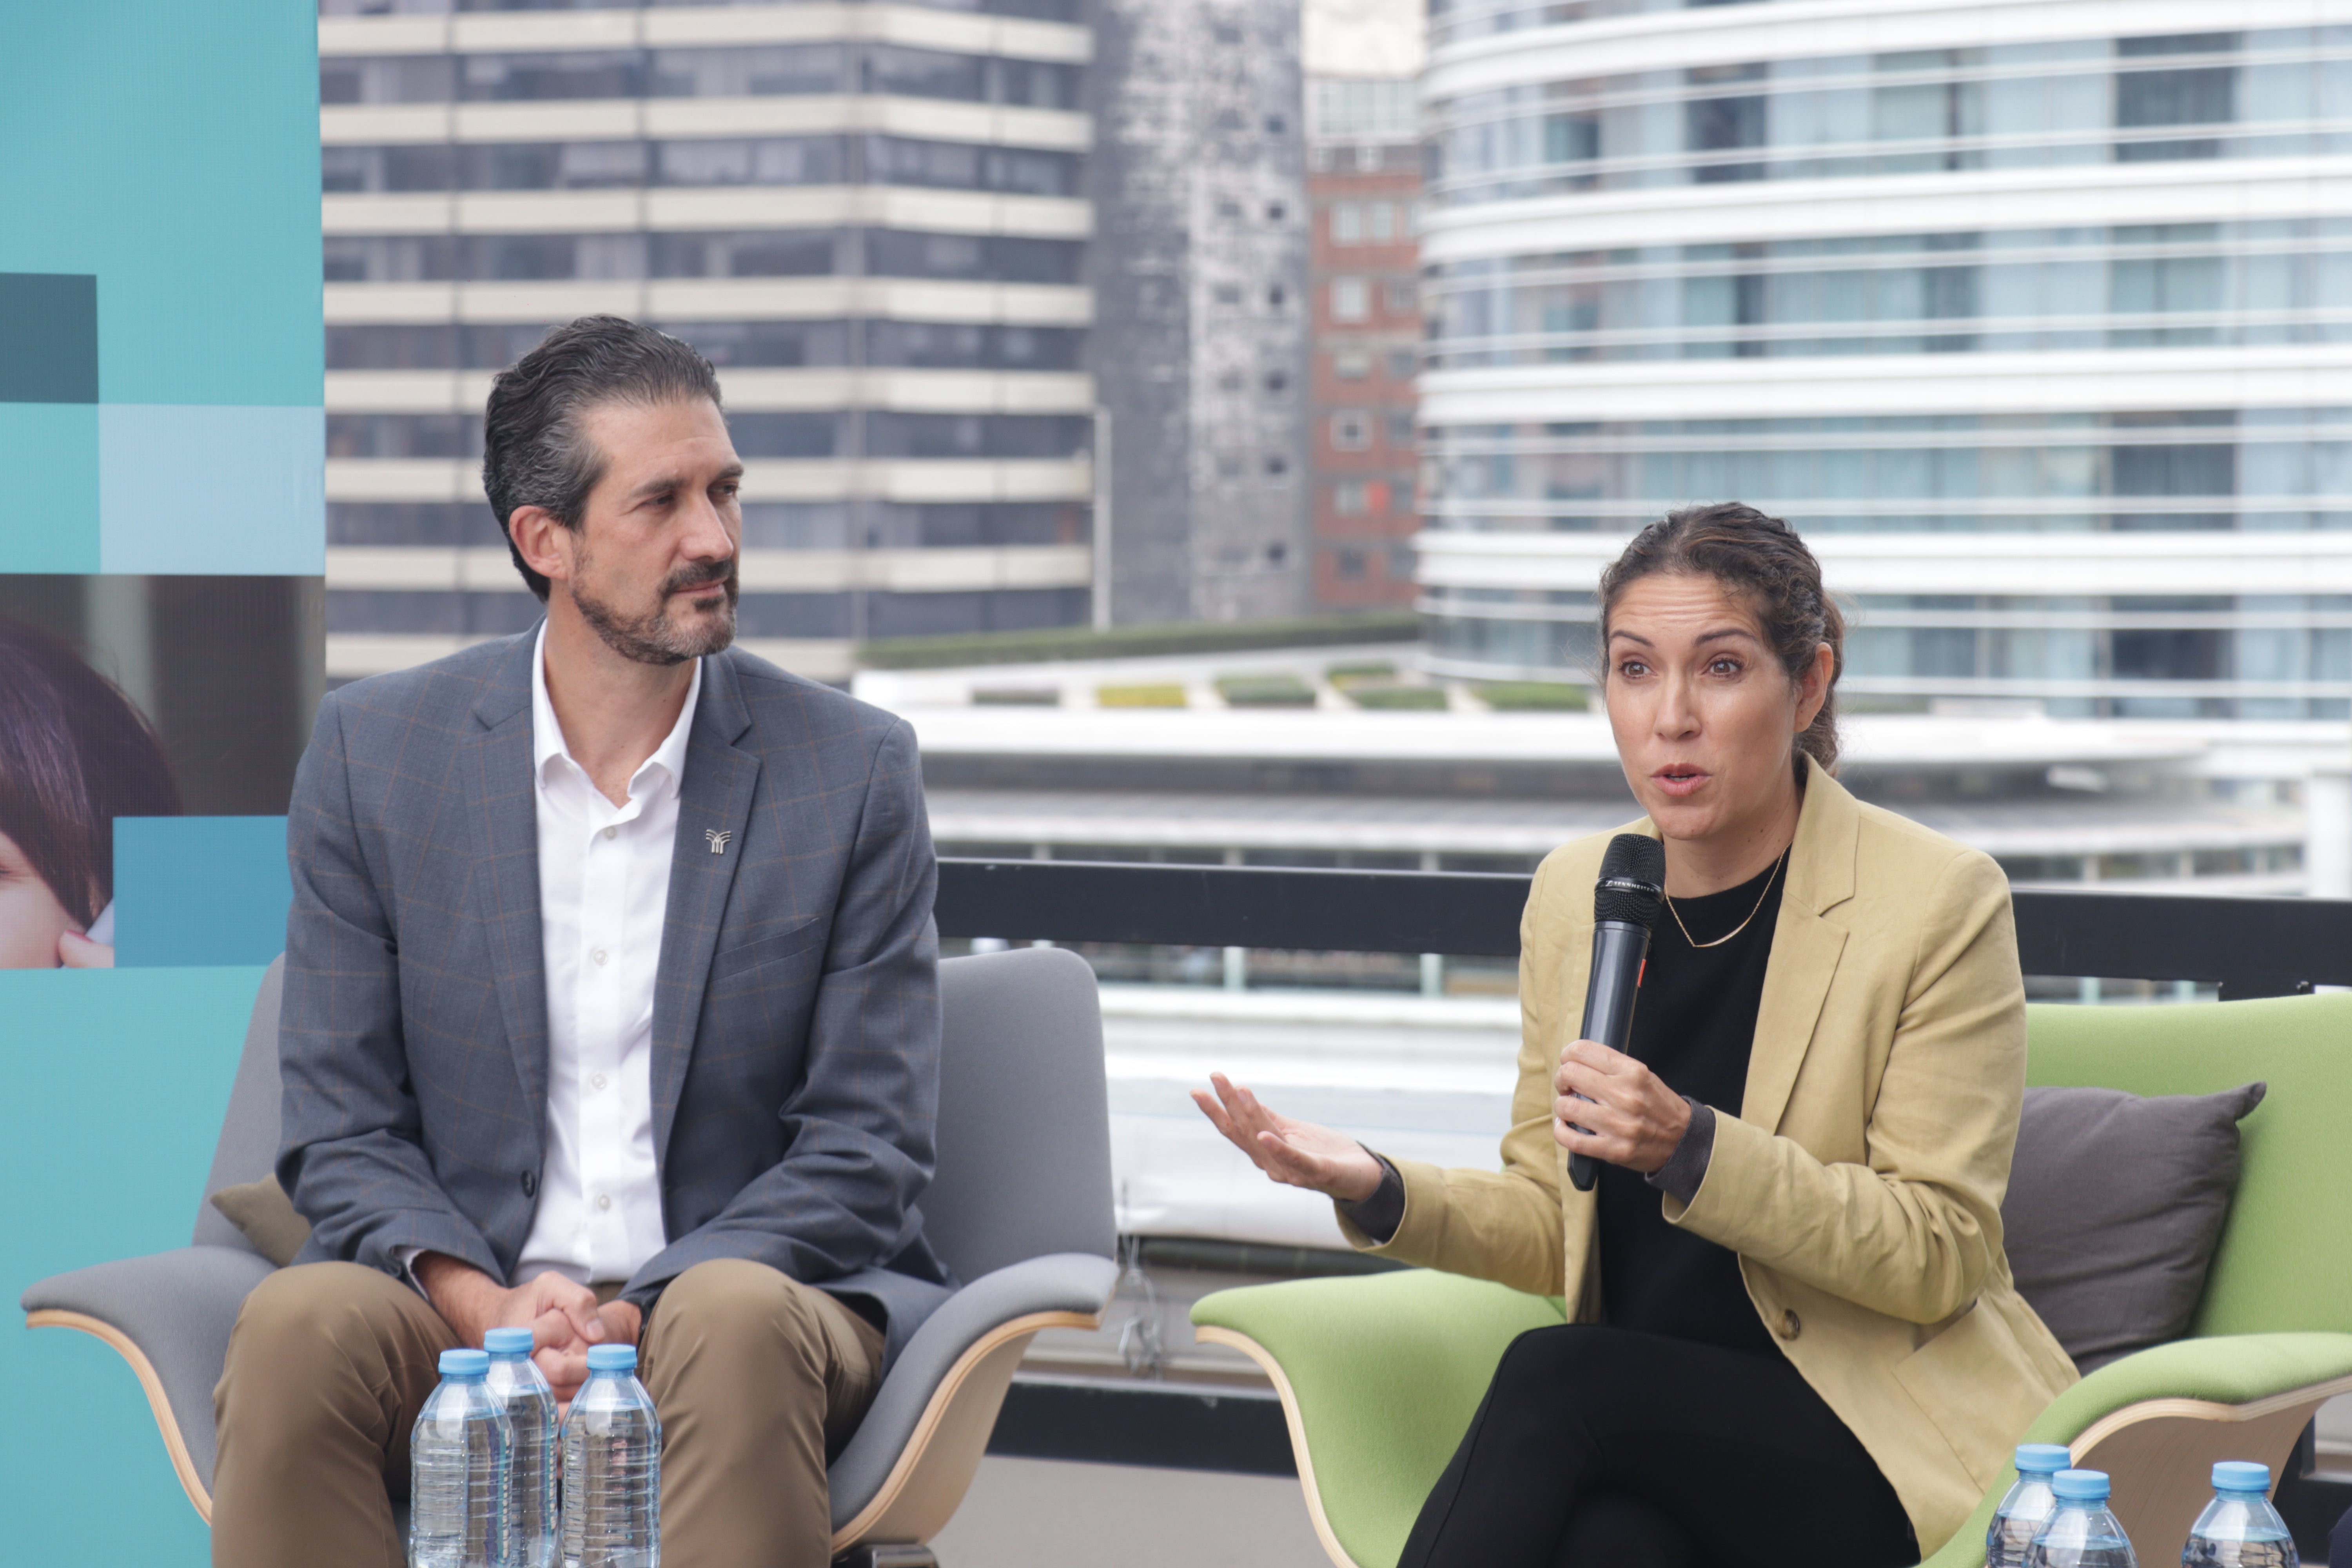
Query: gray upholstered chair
[{"x": 1021, "y": 1209}]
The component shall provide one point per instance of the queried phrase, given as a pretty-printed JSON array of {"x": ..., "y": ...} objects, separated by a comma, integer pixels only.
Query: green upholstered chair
[{"x": 1379, "y": 1375}]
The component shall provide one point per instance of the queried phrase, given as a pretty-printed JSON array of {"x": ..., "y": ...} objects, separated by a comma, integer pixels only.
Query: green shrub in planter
[
  {"x": 1401, "y": 698},
  {"x": 1534, "y": 697},
  {"x": 1265, "y": 691},
  {"x": 1168, "y": 696},
  {"x": 1346, "y": 675}
]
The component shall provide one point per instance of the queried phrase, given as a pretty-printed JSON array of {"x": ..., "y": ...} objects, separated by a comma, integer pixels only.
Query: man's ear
[{"x": 544, "y": 543}]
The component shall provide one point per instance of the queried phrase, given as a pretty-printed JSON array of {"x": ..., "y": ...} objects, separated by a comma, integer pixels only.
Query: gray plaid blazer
[{"x": 796, "y": 1020}]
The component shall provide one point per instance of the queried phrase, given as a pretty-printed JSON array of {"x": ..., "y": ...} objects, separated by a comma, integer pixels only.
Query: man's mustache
[{"x": 696, "y": 576}]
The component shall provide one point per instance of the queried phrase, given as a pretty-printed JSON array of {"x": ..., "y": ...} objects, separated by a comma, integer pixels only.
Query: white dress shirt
[{"x": 604, "y": 889}]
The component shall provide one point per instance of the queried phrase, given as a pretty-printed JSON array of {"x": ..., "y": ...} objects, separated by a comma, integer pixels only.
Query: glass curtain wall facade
[
  {"x": 2040, "y": 338},
  {"x": 869, "y": 217}
]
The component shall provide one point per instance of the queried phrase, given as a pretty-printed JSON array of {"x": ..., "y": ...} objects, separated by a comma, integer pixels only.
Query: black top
[{"x": 1693, "y": 1026}]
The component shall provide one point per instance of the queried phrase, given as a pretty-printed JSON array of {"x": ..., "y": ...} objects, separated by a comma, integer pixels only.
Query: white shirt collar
[{"x": 547, "y": 742}]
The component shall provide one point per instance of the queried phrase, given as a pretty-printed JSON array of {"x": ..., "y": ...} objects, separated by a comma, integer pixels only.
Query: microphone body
[
  {"x": 1619, "y": 950},
  {"x": 1625, "y": 905}
]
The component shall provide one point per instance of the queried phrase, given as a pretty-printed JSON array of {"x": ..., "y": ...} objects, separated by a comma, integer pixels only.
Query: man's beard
[{"x": 657, "y": 637}]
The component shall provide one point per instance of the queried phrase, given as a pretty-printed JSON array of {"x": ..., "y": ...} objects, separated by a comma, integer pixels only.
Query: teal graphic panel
[
  {"x": 117, "y": 1082},
  {"x": 159, "y": 165},
  {"x": 48, "y": 507},
  {"x": 49, "y": 338},
  {"x": 210, "y": 490},
  {"x": 199, "y": 890}
]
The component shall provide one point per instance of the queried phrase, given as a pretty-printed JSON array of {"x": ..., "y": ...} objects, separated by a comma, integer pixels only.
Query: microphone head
[{"x": 1632, "y": 886}]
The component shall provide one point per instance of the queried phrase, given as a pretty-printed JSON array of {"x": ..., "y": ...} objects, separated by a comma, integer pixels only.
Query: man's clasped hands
[{"x": 564, "y": 1318}]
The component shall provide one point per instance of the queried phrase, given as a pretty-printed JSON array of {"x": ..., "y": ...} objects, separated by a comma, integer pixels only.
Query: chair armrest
[
  {"x": 940, "y": 1365},
  {"x": 1379, "y": 1375},
  {"x": 168, "y": 1316},
  {"x": 2158, "y": 1420}
]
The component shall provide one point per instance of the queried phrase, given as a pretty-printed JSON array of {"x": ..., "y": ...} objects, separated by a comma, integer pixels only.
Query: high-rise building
[
  {"x": 1363, "y": 181},
  {"x": 1198, "y": 269},
  {"x": 870, "y": 216},
  {"x": 2038, "y": 330}
]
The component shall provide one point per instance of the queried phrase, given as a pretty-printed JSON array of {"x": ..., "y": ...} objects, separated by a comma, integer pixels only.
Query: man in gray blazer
[{"x": 610, "y": 1010}]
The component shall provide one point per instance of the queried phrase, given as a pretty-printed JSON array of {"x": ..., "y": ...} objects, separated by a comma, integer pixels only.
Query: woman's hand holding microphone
[{"x": 1627, "y": 1116}]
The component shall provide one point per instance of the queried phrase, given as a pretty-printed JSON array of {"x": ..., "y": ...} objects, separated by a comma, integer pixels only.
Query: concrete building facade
[
  {"x": 871, "y": 217},
  {"x": 2032, "y": 315},
  {"x": 1199, "y": 273}
]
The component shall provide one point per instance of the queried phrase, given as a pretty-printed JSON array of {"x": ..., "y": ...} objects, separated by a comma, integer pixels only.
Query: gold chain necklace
[{"x": 1742, "y": 926}]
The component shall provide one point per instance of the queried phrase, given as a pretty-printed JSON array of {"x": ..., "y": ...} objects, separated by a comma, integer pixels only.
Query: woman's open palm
[{"x": 1296, "y": 1154}]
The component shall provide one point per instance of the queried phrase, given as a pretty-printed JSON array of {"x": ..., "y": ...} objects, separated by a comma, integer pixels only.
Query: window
[
  {"x": 1348, "y": 563},
  {"x": 1347, "y": 224},
  {"x": 1401, "y": 364},
  {"x": 1401, "y": 500},
  {"x": 1277, "y": 383},
  {"x": 1276, "y": 212},
  {"x": 1278, "y": 467},
  {"x": 1401, "y": 430},
  {"x": 1351, "y": 365},
  {"x": 1229, "y": 294},
  {"x": 1276, "y": 297},
  {"x": 1383, "y": 222},
  {"x": 1351, "y": 430},
  {"x": 1351, "y": 498},
  {"x": 1275, "y": 125},
  {"x": 1351, "y": 300},
  {"x": 1228, "y": 207},
  {"x": 1403, "y": 298}
]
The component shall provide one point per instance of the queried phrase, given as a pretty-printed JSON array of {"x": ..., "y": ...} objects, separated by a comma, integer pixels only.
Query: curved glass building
[{"x": 2042, "y": 335}]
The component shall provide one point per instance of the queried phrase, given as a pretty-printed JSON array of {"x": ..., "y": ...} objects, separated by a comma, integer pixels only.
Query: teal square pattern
[
  {"x": 199, "y": 890},
  {"x": 159, "y": 165}
]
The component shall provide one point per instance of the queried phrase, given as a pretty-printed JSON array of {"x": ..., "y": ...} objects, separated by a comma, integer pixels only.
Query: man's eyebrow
[{"x": 656, "y": 486}]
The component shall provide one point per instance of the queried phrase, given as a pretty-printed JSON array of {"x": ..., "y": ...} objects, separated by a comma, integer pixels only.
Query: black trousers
[{"x": 1598, "y": 1448}]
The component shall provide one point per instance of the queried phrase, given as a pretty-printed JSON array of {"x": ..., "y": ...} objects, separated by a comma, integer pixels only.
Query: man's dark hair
[
  {"x": 534, "y": 452},
  {"x": 74, "y": 755}
]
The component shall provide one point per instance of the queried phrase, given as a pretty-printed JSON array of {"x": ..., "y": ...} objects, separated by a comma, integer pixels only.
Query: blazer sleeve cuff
[
  {"x": 1421, "y": 1225},
  {"x": 1379, "y": 1216},
  {"x": 1739, "y": 1159}
]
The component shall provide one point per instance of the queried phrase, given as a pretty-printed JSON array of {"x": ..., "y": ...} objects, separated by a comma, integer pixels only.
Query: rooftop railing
[{"x": 2246, "y": 946}]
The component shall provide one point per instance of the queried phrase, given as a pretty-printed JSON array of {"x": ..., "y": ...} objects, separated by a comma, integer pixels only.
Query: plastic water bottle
[
  {"x": 2081, "y": 1532},
  {"x": 2022, "y": 1512},
  {"x": 2240, "y": 1529},
  {"x": 612, "y": 1468},
  {"x": 530, "y": 1403},
  {"x": 457, "y": 1462}
]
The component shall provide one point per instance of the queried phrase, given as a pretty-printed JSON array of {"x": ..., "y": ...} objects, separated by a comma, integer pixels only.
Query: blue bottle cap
[
  {"x": 508, "y": 1342},
  {"x": 611, "y": 1358},
  {"x": 2041, "y": 1459},
  {"x": 2074, "y": 1486},
  {"x": 465, "y": 1364},
  {"x": 2238, "y": 1476}
]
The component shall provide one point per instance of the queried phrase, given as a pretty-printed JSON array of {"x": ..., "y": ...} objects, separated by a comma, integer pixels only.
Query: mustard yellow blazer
[{"x": 1860, "y": 1180}]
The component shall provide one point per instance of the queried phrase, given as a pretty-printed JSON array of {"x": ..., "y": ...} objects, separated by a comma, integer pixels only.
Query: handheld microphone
[{"x": 1625, "y": 905}]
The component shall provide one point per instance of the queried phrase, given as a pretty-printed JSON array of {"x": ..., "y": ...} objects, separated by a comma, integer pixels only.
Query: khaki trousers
[{"x": 757, "y": 1378}]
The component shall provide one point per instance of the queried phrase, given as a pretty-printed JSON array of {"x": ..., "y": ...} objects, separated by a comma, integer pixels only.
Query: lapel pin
[{"x": 718, "y": 839}]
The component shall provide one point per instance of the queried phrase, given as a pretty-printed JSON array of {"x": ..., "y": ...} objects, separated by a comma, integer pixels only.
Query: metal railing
[{"x": 2247, "y": 946}]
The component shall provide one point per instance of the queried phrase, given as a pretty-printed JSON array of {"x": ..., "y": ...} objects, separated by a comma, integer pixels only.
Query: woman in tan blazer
[{"x": 1794, "y": 1335}]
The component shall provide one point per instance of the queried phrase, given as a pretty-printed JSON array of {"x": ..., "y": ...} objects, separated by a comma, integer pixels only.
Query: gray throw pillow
[
  {"x": 262, "y": 1210},
  {"x": 2115, "y": 1204}
]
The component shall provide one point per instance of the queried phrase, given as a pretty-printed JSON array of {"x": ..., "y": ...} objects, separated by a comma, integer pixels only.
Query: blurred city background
[{"x": 1206, "y": 420}]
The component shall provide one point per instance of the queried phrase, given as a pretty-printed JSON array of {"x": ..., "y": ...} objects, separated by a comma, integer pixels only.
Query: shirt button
[
  {"x": 596, "y": 1081},
  {"x": 1791, "y": 1325},
  {"x": 605, "y": 1201},
  {"x": 598, "y": 956},
  {"x": 610, "y": 831}
]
